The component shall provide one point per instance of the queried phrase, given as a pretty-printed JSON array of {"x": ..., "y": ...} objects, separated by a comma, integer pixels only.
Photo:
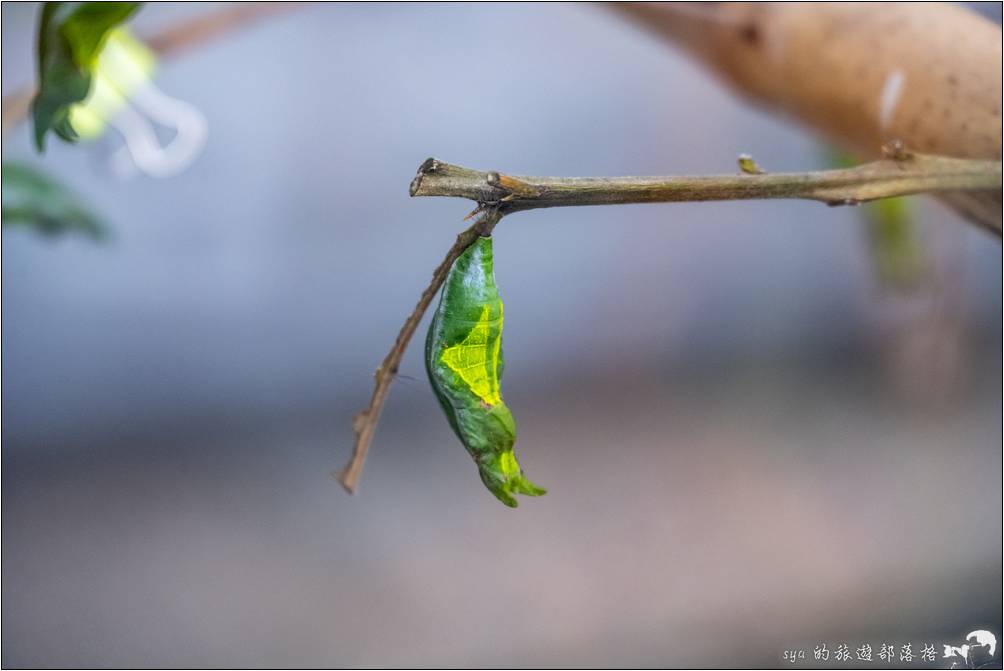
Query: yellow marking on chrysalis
[
  {"x": 508, "y": 465},
  {"x": 476, "y": 360}
]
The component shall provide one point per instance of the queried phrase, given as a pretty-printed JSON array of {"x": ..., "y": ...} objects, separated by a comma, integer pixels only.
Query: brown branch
[
  {"x": 170, "y": 42},
  {"x": 900, "y": 174},
  {"x": 15, "y": 108},
  {"x": 207, "y": 27},
  {"x": 364, "y": 423},
  {"x": 498, "y": 194}
]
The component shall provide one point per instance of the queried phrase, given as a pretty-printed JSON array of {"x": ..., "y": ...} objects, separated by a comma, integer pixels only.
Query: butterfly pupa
[{"x": 463, "y": 356}]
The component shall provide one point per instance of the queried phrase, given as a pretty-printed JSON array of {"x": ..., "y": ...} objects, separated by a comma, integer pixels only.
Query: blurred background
[{"x": 751, "y": 442}]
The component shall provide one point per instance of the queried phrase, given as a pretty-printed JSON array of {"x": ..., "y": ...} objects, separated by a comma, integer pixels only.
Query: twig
[
  {"x": 207, "y": 27},
  {"x": 898, "y": 175},
  {"x": 364, "y": 423},
  {"x": 170, "y": 42},
  {"x": 15, "y": 108},
  {"x": 498, "y": 194}
]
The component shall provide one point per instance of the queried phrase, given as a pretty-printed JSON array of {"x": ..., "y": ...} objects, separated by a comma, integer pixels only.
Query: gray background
[{"x": 749, "y": 444}]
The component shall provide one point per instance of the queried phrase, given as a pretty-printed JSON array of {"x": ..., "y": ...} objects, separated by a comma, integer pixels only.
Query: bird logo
[{"x": 976, "y": 653}]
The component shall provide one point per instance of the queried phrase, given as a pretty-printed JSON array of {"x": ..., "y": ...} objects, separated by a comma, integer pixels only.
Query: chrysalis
[{"x": 463, "y": 356}]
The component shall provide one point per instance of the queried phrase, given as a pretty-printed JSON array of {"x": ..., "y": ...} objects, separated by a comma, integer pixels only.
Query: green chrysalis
[{"x": 463, "y": 356}]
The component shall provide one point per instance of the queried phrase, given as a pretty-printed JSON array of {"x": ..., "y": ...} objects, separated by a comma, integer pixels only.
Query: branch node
[
  {"x": 895, "y": 150},
  {"x": 517, "y": 187}
]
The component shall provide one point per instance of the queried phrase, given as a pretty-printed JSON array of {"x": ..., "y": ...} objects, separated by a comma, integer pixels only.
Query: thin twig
[
  {"x": 899, "y": 175},
  {"x": 497, "y": 194},
  {"x": 207, "y": 27},
  {"x": 167, "y": 43},
  {"x": 364, "y": 423}
]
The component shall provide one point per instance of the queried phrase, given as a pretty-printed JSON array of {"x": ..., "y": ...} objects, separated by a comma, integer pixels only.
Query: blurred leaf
[
  {"x": 70, "y": 37},
  {"x": 36, "y": 201},
  {"x": 897, "y": 251}
]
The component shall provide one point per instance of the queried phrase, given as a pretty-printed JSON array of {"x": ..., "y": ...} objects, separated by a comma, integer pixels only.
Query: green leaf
[
  {"x": 36, "y": 201},
  {"x": 463, "y": 356},
  {"x": 70, "y": 37}
]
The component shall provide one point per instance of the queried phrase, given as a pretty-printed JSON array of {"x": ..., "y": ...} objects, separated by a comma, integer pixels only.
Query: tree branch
[
  {"x": 364, "y": 423},
  {"x": 498, "y": 194},
  {"x": 900, "y": 174},
  {"x": 207, "y": 27}
]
